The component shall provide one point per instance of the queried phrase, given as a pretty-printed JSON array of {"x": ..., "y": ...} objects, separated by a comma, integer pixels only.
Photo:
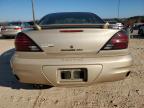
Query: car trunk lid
[{"x": 71, "y": 41}]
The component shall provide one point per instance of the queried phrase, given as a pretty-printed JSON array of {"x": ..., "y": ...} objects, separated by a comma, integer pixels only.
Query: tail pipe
[{"x": 128, "y": 73}]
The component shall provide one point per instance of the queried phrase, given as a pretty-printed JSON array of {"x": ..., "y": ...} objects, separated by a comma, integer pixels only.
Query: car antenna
[{"x": 33, "y": 12}]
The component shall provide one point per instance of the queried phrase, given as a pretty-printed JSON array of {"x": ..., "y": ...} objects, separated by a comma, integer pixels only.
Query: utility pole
[{"x": 118, "y": 9}]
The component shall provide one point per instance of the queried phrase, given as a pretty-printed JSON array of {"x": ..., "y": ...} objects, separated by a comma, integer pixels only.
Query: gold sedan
[{"x": 71, "y": 49}]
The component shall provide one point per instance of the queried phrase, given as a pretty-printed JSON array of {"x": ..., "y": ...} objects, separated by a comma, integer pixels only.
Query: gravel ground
[{"x": 128, "y": 93}]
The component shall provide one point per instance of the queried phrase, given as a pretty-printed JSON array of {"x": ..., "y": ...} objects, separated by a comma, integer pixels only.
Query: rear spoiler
[{"x": 66, "y": 26}]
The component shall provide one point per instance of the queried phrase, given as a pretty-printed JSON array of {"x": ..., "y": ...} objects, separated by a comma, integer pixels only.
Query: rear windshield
[
  {"x": 71, "y": 18},
  {"x": 14, "y": 24}
]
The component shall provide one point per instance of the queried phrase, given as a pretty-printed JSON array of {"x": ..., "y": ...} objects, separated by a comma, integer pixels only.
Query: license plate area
[{"x": 73, "y": 74}]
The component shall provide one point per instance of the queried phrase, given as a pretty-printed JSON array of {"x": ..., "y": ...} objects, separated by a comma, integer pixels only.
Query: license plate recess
[{"x": 73, "y": 74}]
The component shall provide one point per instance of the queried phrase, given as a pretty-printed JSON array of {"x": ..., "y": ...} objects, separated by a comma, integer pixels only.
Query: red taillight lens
[
  {"x": 24, "y": 43},
  {"x": 118, "y": 41},
  {"x": 19, "y": 28}
]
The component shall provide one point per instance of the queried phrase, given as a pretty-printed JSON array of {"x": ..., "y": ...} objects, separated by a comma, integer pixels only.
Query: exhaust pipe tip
[{"x": 128, "y": 73}]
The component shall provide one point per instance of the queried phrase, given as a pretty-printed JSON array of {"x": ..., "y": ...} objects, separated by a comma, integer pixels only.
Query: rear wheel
[
  {"x": 8, "y": 37},
  {"x": 4, "y": 36}
]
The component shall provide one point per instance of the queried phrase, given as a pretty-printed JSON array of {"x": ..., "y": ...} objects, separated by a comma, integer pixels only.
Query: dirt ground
[{"x": 128, "y": 93}]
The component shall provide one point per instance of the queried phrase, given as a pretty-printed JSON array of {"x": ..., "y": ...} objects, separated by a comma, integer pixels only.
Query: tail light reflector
[
  {"x": 19, "y": 28},
  {"x": 25, "y": 44},
  {"x": 118, "y": 41}
]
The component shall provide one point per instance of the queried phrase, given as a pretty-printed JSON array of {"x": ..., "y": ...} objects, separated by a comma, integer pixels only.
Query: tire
[
  {"x": 4, "y": 37},
  {"x": 7, "y": 37}
]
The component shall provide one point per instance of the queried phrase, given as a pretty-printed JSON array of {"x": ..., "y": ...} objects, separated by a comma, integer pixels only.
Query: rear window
[
  {"x": 71, "y": 18},
  {"x": 14, "y": 24}
]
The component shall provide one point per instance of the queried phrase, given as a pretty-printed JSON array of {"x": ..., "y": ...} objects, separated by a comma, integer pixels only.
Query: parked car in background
[
  {"x": 71, "y": 49},
  {"x": 13, "y": 28},
  {"x": 118, "y": 26},
  {"x": 114, "y": 24},
  {"x": 141, "y": 30},
  {"x": 32, "y": 23},
  {"x": 0, "y": 29},
  {"x": 136, "y": 26}
]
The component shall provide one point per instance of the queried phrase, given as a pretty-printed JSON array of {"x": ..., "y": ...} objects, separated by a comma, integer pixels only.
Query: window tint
[
  {"x": 14, "y": 24},
  {"x": 71, "y": 18},
  {"x": 26, "y": 24}
]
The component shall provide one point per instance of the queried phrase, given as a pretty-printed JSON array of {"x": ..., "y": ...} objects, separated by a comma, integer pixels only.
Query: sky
[{"x": 20, "y": 10}]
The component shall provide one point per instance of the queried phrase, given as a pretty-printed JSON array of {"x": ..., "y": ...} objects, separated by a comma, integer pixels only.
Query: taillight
[
  {"x": 118, "y": 41},
  {"x": 19, "y": 28},
  {"x": 25, "y": 44}
]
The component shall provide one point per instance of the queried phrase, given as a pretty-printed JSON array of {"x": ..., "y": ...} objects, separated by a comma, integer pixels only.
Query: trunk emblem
[{"x": 71, "y": 47}]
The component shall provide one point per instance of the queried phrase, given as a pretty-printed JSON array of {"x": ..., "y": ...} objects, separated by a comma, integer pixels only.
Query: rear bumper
[
  {"x": 45, "y": 71},
  {"x": 9, "y": 33}
]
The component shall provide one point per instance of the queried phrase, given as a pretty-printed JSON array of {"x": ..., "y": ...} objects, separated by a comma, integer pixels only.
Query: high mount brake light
[
  {"x": 117, "y": 42},
  {"x": 67, "y": 31},
  {"x": 25, "y": 44}
]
